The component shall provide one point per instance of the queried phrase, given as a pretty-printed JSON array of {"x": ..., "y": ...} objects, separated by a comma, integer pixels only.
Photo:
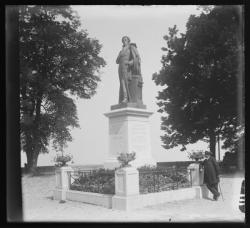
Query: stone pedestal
[
  {"x": 126, "y": 181},
  {"x": 129, "y": 131},
  {"x": 196, "y": 175},
  {"x": 62, "y": 182},
  {"x": 126, "y": 189}
]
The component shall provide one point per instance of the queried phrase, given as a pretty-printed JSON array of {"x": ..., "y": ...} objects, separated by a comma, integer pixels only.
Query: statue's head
[{"x": 125, "y": 40}]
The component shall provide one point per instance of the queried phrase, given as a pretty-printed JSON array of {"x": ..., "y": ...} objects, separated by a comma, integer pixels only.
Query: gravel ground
[{"x": 38, "y": 205}]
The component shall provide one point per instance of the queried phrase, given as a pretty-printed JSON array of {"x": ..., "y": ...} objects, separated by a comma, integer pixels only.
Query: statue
[{"x": 129, "y": 71}]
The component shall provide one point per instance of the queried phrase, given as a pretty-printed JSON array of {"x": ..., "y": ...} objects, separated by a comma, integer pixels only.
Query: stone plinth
[
  {"x": 196, "y": 174},
  {"x": 129, "y": 131},
  {"x": 126, "y": 181},
  {"x": 129, "y": 105},
  {"x": 126, "y": 189},
  {"x": 62, "y": 182}
]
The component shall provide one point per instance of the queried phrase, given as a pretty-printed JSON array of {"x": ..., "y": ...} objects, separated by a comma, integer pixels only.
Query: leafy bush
[
  {"x": 150, "y": 168},
  {"x": 125, "y": 158},
  {"x": 156, "y": 179},
  {"x": 97, "y": 181},
  {"x": 196, "y": 155},
  {"x": 229, "y": 161},
  {"x": 61, "y": 160}
]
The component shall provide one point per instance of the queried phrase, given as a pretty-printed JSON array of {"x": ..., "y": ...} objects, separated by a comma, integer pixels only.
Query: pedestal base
[
  {"x": 196, "y": 175},
  {"x": 62, "y": 182},
  {"x": 128, "y": 105},
  {"x": 129, "y": 131}
]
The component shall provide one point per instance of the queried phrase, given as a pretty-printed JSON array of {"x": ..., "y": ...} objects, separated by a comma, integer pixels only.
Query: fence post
[
  {"x": 127, "y": 195},
  {"x": 196, "y": 175},
  {"x": 190, "y": 175},
  {"x": 154, "y": 180},
  {"x": 62, "y": 182},
  {"x": 196, "y": 178},
  {"x": 158, "y": 180}
]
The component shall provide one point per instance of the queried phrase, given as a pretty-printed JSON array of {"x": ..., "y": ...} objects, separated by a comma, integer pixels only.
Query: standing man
[{"x": 211, "y": 174}]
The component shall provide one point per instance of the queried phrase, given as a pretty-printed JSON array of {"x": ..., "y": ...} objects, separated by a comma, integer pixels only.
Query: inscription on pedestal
[
  {"x": 132, "y": 182},
  {"x": 114, "y": 128},
  {"x": 116, "y": 139},
  {"x": 139, "y": 137},
  {"x": 129, "y": 131},
  {"x": 120, "y": 183}
]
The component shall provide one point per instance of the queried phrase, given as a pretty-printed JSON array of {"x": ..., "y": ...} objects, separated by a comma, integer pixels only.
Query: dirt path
[{"x": 39, "y": 206}]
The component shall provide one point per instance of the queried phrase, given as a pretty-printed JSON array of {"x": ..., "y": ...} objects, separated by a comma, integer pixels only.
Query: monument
[{"x": 129, "y": 128}]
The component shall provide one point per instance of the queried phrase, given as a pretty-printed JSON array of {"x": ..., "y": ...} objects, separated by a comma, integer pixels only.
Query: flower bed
[
  {"x": 97, "y": 181},
  {"x": 155, "y": 179}
]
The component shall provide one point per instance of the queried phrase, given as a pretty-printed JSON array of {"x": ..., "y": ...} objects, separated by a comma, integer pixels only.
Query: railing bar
[
  {"x": 70, "y": 180},
  {"x": 190, "y": 173},
  {"x": 176, "y": 179},
  {"x": 158, "y": 183},
  {"x": 154, "y": 181},
  {"x": 170, "y": 183}
]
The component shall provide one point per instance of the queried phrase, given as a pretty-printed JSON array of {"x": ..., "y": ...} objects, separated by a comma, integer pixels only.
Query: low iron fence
[
  {"x": 164, "y": 179},
  {"x": 150, "y": 180},
  {"x": 97, "y": 181}
]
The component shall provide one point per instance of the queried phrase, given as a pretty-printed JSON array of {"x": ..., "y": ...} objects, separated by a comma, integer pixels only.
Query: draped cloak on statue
[{"x": 130, "y": 74}]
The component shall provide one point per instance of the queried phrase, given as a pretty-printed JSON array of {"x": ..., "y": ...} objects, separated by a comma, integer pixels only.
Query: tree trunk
[
  {"x": 212, "y": 142},
  {"x": 32, "y": 158},
  {"x": 33, "y": 151}
]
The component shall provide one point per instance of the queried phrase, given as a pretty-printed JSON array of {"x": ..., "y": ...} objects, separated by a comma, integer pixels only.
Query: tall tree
[
  {"x": 57, "y": 61},
  {"x": 202, "y": 72}
]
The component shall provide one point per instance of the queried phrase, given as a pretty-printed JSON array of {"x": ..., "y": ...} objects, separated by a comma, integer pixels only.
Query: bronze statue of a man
[{"x": 129, "y": 73}]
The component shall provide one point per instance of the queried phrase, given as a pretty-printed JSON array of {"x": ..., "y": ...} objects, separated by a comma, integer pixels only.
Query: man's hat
[{"x": 208, "y": 153}]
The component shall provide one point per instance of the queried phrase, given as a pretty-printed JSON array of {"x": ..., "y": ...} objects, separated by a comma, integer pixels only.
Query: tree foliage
[
  {"x": 58, "y": 60},
  {"x": 202, "y": 72}
]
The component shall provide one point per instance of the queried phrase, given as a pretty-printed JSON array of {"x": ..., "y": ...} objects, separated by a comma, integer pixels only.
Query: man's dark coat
[{"x": 211, "y": 171}]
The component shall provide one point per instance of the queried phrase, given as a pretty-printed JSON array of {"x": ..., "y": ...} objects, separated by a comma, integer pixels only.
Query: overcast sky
[{"x": 146, "y": 26}]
